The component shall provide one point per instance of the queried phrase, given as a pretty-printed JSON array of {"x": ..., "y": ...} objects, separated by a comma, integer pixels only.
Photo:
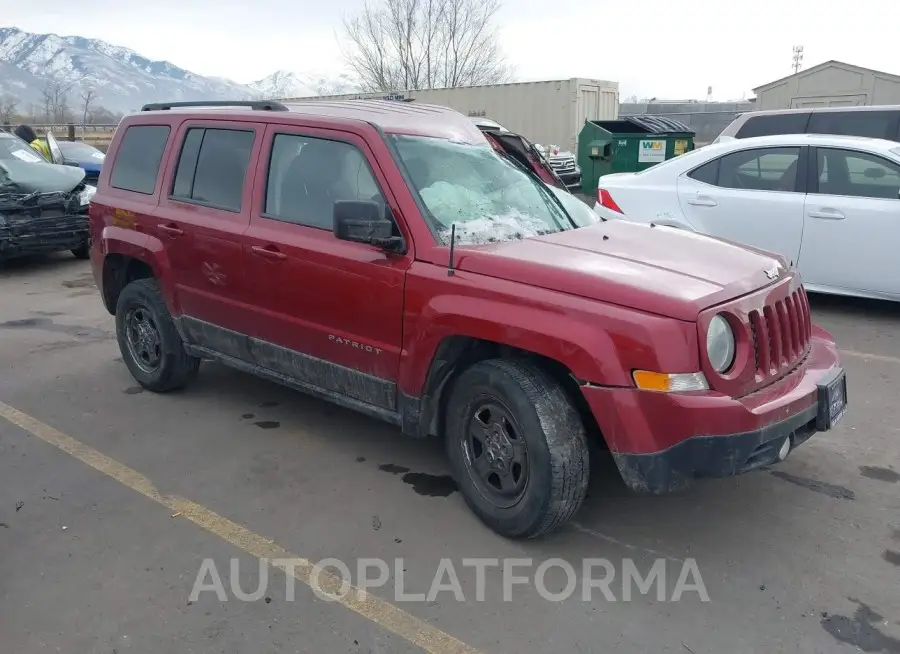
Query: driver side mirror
[{"x": 364, "y": 222}]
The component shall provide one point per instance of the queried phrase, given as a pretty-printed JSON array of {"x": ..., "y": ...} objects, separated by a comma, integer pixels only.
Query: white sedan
[{"x": 830, "y": 205}]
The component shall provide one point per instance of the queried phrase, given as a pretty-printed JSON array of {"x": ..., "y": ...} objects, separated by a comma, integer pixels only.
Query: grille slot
[{"x": 781, "y": 332}]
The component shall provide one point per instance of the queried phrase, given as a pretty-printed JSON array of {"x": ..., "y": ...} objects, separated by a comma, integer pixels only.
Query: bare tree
[
  {"x": 87, "y": 99},
  {"x": 47, "y": 96},
  {"x": 8, "y": 105},
  {"x": 424, "y": 44},
  {"x": 55, "y": 100}
]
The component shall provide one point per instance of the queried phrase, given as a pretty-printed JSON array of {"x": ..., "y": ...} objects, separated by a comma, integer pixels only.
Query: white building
[
  {"x": 547, "y": 112},
  {"x": 831, "y": 84}
]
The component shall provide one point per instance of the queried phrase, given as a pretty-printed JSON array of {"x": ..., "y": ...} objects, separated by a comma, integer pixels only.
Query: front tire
[
  {"x": 517, "y": 447},
  {"x": 82, "y": 252},
  {"x": 150, "y": 344}
]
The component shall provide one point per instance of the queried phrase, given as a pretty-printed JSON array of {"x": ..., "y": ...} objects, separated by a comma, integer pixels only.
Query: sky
[{"x": 654, "y": 48}]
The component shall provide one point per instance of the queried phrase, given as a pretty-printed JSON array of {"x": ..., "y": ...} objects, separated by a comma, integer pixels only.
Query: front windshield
[
  {"x": 15, "y": 149},
  {"x": 487, "y": 197}
]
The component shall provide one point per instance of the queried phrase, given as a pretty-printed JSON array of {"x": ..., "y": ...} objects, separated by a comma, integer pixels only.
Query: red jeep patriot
[{"x": 384, "y": 256}]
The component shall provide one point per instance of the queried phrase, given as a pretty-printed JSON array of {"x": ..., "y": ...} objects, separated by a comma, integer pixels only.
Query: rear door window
[
  {"x": 760, "y": 169},
  {"x": 137, "y": 160},
  {"x": 873, "y": 124},
  {"x": 768, "y": 125},
  {"x": 212, "y": 167}
]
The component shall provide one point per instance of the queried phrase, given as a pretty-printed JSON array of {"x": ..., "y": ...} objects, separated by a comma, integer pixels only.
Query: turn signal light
[{"x": 670, "y": 382}]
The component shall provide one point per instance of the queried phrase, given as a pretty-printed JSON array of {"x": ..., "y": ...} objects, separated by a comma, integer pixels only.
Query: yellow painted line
[
  {"x": 870, "y": 357},
  {"x": 379, "y": 611}
]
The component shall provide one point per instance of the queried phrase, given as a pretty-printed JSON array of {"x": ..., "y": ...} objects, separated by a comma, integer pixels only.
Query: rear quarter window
[
  {"x": 873, "y": 124},
  {"x": 771, "y": 124},
  {"x": 708, "y": 173},
  {"x": 137, "y": 160}
]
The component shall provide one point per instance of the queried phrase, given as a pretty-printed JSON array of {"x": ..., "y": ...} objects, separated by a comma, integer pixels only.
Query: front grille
[
  {"x": 781, "y": 332},
  {"x": 562, "y": 165}
]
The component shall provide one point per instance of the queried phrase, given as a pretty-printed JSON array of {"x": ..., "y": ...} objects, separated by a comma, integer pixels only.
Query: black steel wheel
[
  {"x": 495, "y": 453},
  {"x": 143, "y": 339},
  {"x": 149, "y": 341},
  {"x": 517, "y": 447}
]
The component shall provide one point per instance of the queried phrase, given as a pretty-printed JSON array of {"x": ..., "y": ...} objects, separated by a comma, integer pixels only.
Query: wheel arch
[
  {"x": 423, "y": 416},
  {"x": 130, "y": 256},
  {"x": 119, "y": 270}
]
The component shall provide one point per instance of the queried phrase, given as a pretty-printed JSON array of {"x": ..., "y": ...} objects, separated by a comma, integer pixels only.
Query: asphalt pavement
[{"x": 115, "y": 503}]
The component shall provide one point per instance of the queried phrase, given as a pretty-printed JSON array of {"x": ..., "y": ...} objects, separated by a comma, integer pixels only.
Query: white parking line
[{"x": 428, "y": 638}]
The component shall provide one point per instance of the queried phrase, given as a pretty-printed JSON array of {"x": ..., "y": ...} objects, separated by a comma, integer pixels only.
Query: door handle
[
  {"x": 170, "y": 230},
  {"x": 269, "y": 252},
  {"x": 827, "y": 214},
  {"x": 702, "y": 202}
]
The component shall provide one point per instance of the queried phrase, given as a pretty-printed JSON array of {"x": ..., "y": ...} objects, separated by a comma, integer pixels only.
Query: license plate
[{"x": 832, "y": 401}]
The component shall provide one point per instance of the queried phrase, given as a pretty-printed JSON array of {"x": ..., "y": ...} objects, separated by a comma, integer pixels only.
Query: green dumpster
[{"x": 628, "y": 145}]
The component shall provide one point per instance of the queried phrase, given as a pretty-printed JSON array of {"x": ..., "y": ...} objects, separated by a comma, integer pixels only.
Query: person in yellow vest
[{"x": 27, "y": 134}]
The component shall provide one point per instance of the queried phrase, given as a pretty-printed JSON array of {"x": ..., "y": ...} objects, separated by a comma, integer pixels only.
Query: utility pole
[{"x": 798, "y": 58}]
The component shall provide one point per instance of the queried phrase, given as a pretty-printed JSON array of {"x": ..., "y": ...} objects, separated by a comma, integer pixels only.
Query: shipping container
[{"x": 549, "y": 113}]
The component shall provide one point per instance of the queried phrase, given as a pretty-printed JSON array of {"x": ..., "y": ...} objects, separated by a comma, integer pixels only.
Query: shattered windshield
[{"x": 488, "y": 198}]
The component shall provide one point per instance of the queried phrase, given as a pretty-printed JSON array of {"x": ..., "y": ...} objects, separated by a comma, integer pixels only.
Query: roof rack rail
[{"x": 258, "y": 105}]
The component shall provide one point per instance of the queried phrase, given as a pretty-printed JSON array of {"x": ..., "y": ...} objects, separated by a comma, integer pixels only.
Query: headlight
[
  {"x": 87, "y": 194},
  {"x": 720, "y": 344}
]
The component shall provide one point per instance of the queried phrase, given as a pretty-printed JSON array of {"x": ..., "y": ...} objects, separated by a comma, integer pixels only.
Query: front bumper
[
  {"x": 662, "y": 441},
  {"x": 23, "y": 235}
]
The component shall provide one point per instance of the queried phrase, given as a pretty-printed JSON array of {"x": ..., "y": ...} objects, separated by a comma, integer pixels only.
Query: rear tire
[
  {"x": 517, "y": 447},
  {"x": 150, "y": 344}
]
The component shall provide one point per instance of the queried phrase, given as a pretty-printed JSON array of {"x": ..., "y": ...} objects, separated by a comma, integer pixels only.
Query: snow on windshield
[
  {"x": 483, "y": 218},
  {"x": 487, "y": 198}
]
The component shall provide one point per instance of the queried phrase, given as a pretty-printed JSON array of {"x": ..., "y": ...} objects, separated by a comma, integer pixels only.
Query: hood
[
  {"x": 25, "y": 177},
  {"x": 660, "y": 270}
]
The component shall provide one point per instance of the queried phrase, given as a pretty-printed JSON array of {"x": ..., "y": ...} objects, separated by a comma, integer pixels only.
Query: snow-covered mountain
[
  {"x": 285, "y": 84},
  {"x": 122, "y": 80}
]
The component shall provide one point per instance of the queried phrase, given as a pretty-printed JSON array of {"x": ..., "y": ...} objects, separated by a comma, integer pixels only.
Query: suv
[
  {"x": 880, "y": 122},
  {"x": 386, "y": 258}
]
